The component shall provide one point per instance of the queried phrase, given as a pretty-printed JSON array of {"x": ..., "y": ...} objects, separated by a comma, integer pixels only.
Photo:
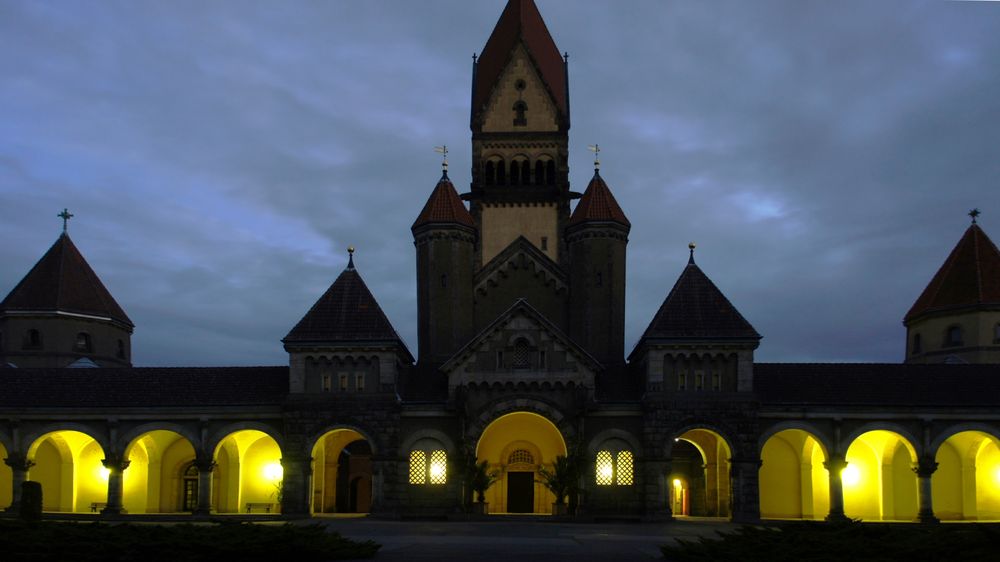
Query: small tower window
[
  {"x": 121, "y": 349},
  {"x": 699, "y": 381},
  {"x": 444, "y": 280},
  {"x": 550, "y": 172},
  {"x": 343, "y": 382},
  {"x": 918, "y": 346},
  {"x": 953, "y": 336},
  {"x": 525, "y": 172},
  {"x": 82, "y": 342},
  {"x": 545, "y": 243},
  {"x": 499, "y": 360},
  {"x": 996, "y": 333},
  {"x": 490, "y": 172},
  {"x": 501, "y": 168},
  {"x": 327, "y": 383},
  {"x": 540, "y": 172},
  {"x": 520, "y": 120},
  {"x": 515, "y": 173},
  {"x": 32, "y": 339},
  {"x": 682, "y": 380},
  {"x": 522, "y": 354},
  {"x": 716, "y": 381}
]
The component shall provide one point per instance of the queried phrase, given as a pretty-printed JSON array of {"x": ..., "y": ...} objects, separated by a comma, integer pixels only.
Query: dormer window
[
  {"x": 953, "y": 336},
  {"x": 82, "y": 343},
  {"x": 520, "y": 120}
]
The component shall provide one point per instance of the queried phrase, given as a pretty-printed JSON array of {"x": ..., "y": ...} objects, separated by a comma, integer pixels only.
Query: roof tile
[
  {"x": 444, "y": 206},
  {"x": 598, "y": 205}
]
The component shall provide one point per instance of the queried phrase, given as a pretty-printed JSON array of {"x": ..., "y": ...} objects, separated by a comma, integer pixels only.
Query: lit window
[
  {"x": 359, "y": 382},
  {"x": 327, "y": 383},
  {"x": 439, "y": 467},
  {"x": 418, "y": 467},
  {"x": 682, "y": 381},
  {"x": 605, "y": 468},
  {"x": 343, "y": 382},
  {"x": 716, "y": 381},
  {"x": 623, "y": 468},
  {"x": 522, "y": 355},
  {"x": 699, "y": 380}
]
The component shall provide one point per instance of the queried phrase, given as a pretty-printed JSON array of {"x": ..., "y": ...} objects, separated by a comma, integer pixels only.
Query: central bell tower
[{"x": 520, "y": 131}]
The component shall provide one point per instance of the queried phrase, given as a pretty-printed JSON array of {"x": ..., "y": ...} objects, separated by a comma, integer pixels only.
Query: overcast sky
[{"x": 220, "y": 156}]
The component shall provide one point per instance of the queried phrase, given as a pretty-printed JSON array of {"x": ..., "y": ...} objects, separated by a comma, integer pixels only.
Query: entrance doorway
[
  {"x": 190, "y": 501},
  {"x": 520, "y": 492}
]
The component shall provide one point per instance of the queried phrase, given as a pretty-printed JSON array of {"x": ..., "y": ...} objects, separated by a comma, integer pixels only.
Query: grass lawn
[
  {"x": 243, "y": 542},
  {"x": 851, "y": 542}
]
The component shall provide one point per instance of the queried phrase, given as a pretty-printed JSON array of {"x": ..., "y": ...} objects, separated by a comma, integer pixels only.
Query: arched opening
[
  {"x": 699, "y": 477},
  {"x": 879, "y": 483},
  {"x": 520, "y": 119},
  {"x": 248, "y": 473},
  {"x": 83, "y": 343},
  {"x": 69, "y": 468},
  {"x": 953, "y": 337},
  {"x": 515, "y": 172},
  {"x": 793, "y": 481},
  {"x": 966, "y": 484},
  {"x": 507, "y": 444},
  {"x": 342, "y": 473},
  {"x": 6, "y": 480},
  {"x": 918, "y": 346},
  {"x": 154, "y": 481},
  {"x": 32, "y": 339}
]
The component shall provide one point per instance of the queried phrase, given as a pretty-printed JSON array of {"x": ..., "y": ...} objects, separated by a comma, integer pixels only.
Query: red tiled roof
[
  {"x": 969, "y": 277},
  {"x": 697, "y": 309},
  {"x": 444, "y": 206},
  {"x": 63, "y": 281},
  {"x": 346, "y": 313},
  {"x": 598, "y": 204},
  {"x": 520, "y": 20}
]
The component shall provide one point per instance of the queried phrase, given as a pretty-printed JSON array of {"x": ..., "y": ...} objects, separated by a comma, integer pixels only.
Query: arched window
[
  {"x": 501, "y": 172},
  {"x": 121, "y": 349},
  {"x": 520, "y": 456},
  {"x": 522, "y": 354},
  {"x": 614, "y": 466},
  {"x": 515, "y": 173},
  {"x": 520, "y": 120},
  {"x": 539, "y": 172},
  {"x": 490, "y": 173},
  {"x": 525, "y": 172},
  {"x": 82, "y": 342},
  {"x": 550, "y": 172},
  {"x": 953, "y": 336},
  {"x": 918, "y": 346},
  {"x": 428, "y": 463},
  {"x": 32, "y": 339}
]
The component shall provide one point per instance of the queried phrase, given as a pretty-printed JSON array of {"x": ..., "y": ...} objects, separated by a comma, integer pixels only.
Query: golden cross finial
[
  {"x": 974, "y": 213},
  {"x": 65, "y": 215}
]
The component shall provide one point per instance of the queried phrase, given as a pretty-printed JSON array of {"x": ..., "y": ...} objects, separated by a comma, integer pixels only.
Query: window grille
[
  {"x": 521, "y": 456},
  {"x": 605, "y": 468},
  {"x": 522, "y": 355},
  {"x": 623, "y": 472},
  {"x": 439, "y": 467},
  {"x": 418, "y": 467}
]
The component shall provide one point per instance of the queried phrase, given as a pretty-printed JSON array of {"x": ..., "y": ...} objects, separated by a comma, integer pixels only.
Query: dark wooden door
[{"x": 520, "y": 492}]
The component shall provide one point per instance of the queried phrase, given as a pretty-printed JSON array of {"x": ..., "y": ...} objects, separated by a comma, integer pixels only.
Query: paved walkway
[{"x": 514, "y": 541}]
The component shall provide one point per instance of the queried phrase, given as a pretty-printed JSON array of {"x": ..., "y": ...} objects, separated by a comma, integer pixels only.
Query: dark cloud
[{"x": 220, "y": 157}]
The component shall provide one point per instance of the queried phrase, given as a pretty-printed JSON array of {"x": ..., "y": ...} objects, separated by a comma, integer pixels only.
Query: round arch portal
[
  {"x": 6, "y": 479},
  {"x": 69, "y": 468},
  {"x": 966, "y": 484},
  {"x": 248, "y": 473},
  {"x": 794, "y": 484},
  {"x": 342, "y": 472},
  {"x": 515, "y": 445},
  {"x": 154, "y": 481},
  {"x": 879, "y": 483},
  {"x": 699, "y": 482}
]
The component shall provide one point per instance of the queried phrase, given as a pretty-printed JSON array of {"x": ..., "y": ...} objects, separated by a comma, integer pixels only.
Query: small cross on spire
[
  {"x": 974, "y": 213},
  {"x": 65, "y": 215}
]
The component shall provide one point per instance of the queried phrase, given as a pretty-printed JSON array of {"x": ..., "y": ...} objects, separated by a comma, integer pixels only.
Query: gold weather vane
[
  {"x": 65, "y": 215},
  {"x": 974, "y": 213},
  {"x": 596, "y": 149},
  {"x": 443, "y": 151}
]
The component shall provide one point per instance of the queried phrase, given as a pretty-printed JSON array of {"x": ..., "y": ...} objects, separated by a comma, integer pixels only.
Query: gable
[
  {"x": 520, "y": 82},
  {"x": 521, "y": 346}
]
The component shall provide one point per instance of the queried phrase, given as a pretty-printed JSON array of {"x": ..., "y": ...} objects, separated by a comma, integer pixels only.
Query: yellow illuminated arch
[
  {"x": 793, "y": 481},
  {"x": 153, "y": 481},
  {"x": 884, "y": 486},
  {"x": 68, "y": 466},
  {"x": 519, "y": 431},
  {"x": 6, "y": 480},
  {"x": 342, "y": 479},
  {"x": 704, "y": 488},
  {"x": 244, "y": 476},
  {"x": 966, "y": 484}
]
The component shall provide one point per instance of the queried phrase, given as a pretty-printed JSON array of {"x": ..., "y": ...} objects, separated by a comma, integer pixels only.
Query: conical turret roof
[
  {"x": 969, "y": 277},
  {"x": 520, "y": 20},
  {"x": 444, "y": 206},
  {"x": 346, "y": 313},
  {"x": 598, "y": 205},
  {"x": 63, "y": 281}
]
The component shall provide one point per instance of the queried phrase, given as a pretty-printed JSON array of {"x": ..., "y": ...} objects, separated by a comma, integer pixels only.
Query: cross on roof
[
  {"x": 596, "y": 149},
  {"x": 65, "y": 215},
  {"x": 974, "y": 213}
]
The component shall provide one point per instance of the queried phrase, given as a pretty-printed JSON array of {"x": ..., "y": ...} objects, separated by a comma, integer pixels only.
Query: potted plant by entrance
[
  {"x": 560, "y": 479},
  {"x": 480, "y": 480}
]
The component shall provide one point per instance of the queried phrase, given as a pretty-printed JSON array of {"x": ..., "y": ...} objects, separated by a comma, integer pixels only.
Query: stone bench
[{"x": 259, "y": 505}]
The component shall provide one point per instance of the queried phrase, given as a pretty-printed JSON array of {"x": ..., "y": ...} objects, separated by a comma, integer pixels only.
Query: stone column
[
  {"x": 924, "y": 468},
  {"x": 115, "y": 465},
  {"x": 205, "y": 468},
  {"x": 381, "y": 470},
  {"x": 19, "y": 465},
  {"x": 656, "y": 489},
  {"x": 296, "y": 474},
  {"x": 835, "y": 466},
  {"x": 746, "y": 489}
]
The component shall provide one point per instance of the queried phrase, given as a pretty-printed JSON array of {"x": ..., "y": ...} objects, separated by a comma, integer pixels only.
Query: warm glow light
[
  {"x": 103, "y": 473},
  {"x": 606, "y": 471},
  {"x": 850, "y": 475},
  {"x": 437, "y": 470},
  {"x": 677, "y": 482},
  {"x": 273, "y": 471},
  {"x": 997, "y": 474}
]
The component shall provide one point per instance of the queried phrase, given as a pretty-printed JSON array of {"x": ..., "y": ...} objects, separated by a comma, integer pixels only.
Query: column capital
[
  {"x": 835, "y": 464},
  {"x": 115, "y": 462},
  {"x": 205, "y": 465},
  {"x": 18, "y": 461},
  {"x": 924, "y": 467}
]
